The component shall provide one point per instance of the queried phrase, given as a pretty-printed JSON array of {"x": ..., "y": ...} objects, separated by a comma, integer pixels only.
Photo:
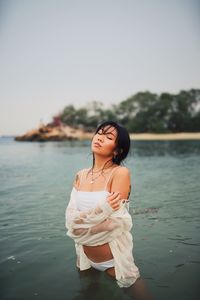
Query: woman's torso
[{"x": 86, "y": 199}]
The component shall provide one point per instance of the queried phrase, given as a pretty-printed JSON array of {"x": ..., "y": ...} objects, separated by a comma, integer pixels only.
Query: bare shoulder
[
  {"x": 122, "y": 171},
  {"x": 121, "y": 182},
  {"x": 77, "y": 178}
]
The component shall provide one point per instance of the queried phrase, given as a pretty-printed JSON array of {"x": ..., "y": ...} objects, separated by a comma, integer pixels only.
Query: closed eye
[{"x": 100, "y": 132}]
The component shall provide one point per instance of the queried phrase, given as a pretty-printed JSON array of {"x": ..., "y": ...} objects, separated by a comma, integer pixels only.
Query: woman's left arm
[{"x": 121, "y": 182}]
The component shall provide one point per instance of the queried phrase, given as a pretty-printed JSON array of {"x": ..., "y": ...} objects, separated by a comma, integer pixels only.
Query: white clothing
[
  {"x": 102, "y": 266},
  {"x": 86, "y": 200},
  {"x": 98, "y": 225}
]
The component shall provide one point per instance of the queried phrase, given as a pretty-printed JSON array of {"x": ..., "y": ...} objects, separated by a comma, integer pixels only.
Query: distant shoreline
[
  {"x": 144, "y": 136},
  {"x": 165, "y": 136}
]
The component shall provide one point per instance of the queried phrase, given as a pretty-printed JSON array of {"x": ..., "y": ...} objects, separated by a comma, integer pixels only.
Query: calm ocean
[{"x": 37, "y": 259}]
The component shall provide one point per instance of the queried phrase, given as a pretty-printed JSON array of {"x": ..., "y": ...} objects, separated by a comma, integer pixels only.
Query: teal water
[{"x": 37, "y": 259}]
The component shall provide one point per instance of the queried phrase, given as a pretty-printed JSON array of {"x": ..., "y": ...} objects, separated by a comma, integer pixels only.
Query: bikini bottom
[{"x": 102, "y": 266}]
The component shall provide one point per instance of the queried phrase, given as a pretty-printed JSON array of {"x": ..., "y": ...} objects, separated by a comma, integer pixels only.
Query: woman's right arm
[
  {"x": 101, "y": 212},
  {"x": 77, "y": 180},
  {"x": 98, "y": 220}
]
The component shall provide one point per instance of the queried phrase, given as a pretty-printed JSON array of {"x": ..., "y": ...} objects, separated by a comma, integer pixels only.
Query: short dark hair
[{"x": 122, "y": 140}]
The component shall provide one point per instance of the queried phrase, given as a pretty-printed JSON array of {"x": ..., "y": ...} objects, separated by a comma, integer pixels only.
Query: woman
[{"x": 97, "y": 216}]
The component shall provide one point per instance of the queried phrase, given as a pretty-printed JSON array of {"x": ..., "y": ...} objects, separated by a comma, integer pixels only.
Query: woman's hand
[{"x": 114, "y": 200}]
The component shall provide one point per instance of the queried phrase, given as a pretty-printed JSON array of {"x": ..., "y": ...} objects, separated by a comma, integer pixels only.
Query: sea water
[{"x": 37, "y": 258}]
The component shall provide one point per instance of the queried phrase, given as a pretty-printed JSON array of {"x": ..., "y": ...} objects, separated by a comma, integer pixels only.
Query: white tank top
[{"x": 86, "y": 200}]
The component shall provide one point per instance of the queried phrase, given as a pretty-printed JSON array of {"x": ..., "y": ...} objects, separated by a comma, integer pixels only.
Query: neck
[{"x": 100, "y": 162}]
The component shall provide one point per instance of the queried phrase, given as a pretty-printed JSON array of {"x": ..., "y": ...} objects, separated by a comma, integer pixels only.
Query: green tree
[
  {"x": 68, "y": 116},
  {"x": 142, "y": 112},
  {"x": 184, "y": 112},
  {"x": 136, "y": 112}
]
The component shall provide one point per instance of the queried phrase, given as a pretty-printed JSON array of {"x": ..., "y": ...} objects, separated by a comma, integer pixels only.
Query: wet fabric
[{"x": 100, "y": 225}]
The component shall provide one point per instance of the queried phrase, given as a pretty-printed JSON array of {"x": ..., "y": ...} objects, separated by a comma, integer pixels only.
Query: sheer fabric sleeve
[
  {"x": 98, "y": 225},
  {"x": 74, "y": 217}
]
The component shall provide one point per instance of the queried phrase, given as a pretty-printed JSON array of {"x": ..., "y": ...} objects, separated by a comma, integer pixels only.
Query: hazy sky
[{"x": 55, "y": 53}]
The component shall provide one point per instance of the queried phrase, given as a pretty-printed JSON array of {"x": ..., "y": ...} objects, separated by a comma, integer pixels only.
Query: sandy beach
[{"x": 165, "y": 136}]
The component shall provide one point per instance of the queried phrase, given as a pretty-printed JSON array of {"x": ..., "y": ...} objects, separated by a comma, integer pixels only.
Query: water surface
[{"x": 37, "y": 259}]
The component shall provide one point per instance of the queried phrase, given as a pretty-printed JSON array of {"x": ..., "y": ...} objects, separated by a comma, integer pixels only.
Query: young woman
[{"x": 97, "y": 216}]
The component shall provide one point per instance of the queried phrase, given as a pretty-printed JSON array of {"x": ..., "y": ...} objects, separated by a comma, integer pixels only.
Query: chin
[{"x": 95, "y": 151}]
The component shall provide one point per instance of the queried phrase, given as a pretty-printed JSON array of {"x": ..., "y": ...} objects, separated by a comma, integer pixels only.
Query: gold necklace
[{"x": 94, "y": 178}]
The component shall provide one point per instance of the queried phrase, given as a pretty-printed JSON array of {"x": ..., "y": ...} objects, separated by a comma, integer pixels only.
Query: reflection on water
[
  {"x": 97, "y": 285},
  {"x": 140, "y": 148},
  {"x": 161, "y": 148}
]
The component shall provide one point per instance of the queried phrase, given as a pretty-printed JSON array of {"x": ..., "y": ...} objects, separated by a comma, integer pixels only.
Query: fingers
[
  {"x": 112, "y": 196},
  {"x": 114, "y": 200}
]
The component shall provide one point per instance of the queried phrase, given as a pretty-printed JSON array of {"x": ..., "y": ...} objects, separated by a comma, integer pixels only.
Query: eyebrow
[
  {"x": 106, "y": 131},
  {"x": 110, "y": 133}
]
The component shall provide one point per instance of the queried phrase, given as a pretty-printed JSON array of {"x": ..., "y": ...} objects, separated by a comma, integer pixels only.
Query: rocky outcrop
[{"x": 54, "y": 133}]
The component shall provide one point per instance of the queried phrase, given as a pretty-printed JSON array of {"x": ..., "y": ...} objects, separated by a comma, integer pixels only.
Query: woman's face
[{"x": 104, "y": 141}]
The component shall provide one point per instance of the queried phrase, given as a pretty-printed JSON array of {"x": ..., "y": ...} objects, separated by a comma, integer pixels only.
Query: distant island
[
  {"x": 63, "y": 133},
  {"x": 52, "y": 132},
  {"x": 146, "y": 116}
]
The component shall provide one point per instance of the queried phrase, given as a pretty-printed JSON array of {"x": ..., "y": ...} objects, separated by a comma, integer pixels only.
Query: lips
[{"x": 97, "y": 144}]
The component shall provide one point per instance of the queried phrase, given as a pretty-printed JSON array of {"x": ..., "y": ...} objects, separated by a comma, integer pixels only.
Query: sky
[{"x": 59, "y": 52}]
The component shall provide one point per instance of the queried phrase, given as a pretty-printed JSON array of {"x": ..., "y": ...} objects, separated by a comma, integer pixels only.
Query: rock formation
[{"x": 54, "y": 133}]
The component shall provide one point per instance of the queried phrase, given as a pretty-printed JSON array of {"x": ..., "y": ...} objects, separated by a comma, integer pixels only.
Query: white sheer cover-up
[{"x": 101, "y": 225}]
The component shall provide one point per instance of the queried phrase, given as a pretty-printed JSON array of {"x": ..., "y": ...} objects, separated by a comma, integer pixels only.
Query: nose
[{"x": 100, "y": 138}]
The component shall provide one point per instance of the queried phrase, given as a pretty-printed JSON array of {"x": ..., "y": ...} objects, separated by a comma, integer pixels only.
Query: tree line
[{"x": 142, "y": 112}]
